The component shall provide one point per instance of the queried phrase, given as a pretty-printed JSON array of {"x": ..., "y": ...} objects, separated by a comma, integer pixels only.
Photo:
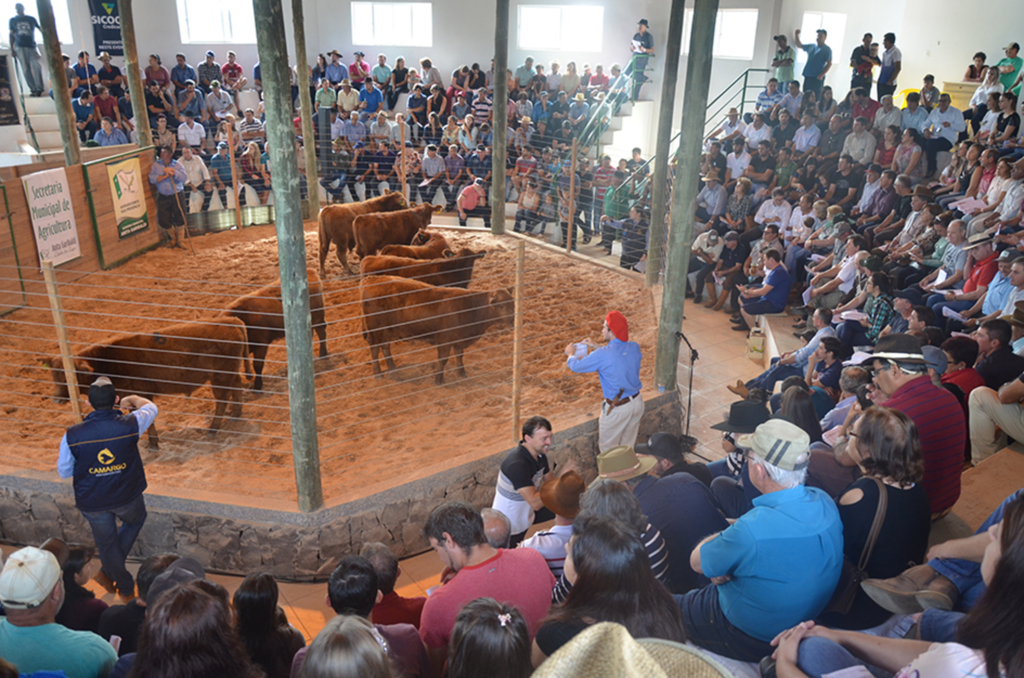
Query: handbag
[{"x": 852, "y": 575}]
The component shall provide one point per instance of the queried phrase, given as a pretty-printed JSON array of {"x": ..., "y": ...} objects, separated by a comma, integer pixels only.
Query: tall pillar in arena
[
  {"x": 61, "y": 95},
  {"x": 684, "y": 196},
  {"x": 134, "y": 73},
  {"x": 306, "y": 109},
  {"x": 500, "y": 118},
  {"x": 656, "y": 246},
  {"x": 291, "y": 250}
]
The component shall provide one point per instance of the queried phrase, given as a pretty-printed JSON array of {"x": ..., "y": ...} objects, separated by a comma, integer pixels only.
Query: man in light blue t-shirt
[
  {"x": 778, "y": 564},
  {"x": 32, "y": 590},
  {"x": 819, "y": 60}
]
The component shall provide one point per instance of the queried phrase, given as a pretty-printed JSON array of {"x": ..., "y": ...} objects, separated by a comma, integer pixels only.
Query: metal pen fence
[{"x": 525, "y": 303}]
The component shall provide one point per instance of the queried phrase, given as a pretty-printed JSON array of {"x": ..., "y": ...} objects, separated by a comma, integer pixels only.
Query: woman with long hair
[
  {"x": 251, "y": 171},
  {"x": 826, "y": 107},
  {"x": 907, "y": 159},
  {"x": 81, "y": 609},
  {"x": 399, "y": 83},
  {"x": 612, "y": 581},
  {"x": 347, "y": 647},
  {"x": 263, "y": 626},
  {"x": 886, "y": 151},
  {"x": 188, "y": 634},
  {"x": 886, "y": 446},
  {"x": 570, "y": 80},
  {"x": 737, "y": 209},
  {"x": 798, "y": 409},
  {"x": 489, "y": 639},
  {"x": 991, "y": 634},
  {"x": 432, "y": 131}
]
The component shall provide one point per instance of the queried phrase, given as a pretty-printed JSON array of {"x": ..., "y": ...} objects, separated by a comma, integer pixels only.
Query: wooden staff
[
  {"x": 230, "y": 119},
  {"x": 517, "y": 351},
  {"x": 570, "y": 232},
  {"x": 401, "y": 159},
  {"x": 70, "y": 375}
]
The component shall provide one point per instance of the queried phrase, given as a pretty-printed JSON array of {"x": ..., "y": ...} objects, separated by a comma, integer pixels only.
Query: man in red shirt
[
  {"x": 391, "y": 608},
  {"x": 962, "y": 353},
  {"x": 234, "y": 80},
  {"x": 472, "y": 202},
  {"x": 358, "y": 71},
  {"x": 900, "y": 372},
  {"x": 863, "y": 104},
  {"x": 519, "y": 577}
]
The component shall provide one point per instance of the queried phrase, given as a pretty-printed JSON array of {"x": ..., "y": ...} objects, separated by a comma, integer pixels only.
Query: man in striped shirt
[
  {"x": 561, "y": 496},
  {"x": 900, "y": 372}
]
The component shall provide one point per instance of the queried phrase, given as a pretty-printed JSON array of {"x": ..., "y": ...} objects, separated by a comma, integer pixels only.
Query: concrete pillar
[
  {"x": 61, "y": 95},
  {"x": 291, "y": 249},
  {"x": 134, "y": 73},
  {"x": 656, "y": 245},
  {"x": 684, "y": 195}
]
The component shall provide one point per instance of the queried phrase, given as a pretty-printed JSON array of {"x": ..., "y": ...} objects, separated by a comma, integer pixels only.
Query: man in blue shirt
[
  {"x": 371, "y": 101},
  {"x": 618, "y": 367},
  {"x": 108, "y": 135},
  {"x": 182, "y": 73},
  {"x": 85, "y": 115},
  {"x": 102, "y": 455},
  {"x": 88, "y": 78},
  {"x": 220, "y": 172},
  {"x": 769, "y": 297},
  {"x": 169, "y": 177},
  {"x": 778, "y": 564},
  {"x": 336, "y": 71},
  {"x": 819, "y": 61}
]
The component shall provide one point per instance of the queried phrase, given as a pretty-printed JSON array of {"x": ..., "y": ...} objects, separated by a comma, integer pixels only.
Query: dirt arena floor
[{"x": 373, "y": 433}]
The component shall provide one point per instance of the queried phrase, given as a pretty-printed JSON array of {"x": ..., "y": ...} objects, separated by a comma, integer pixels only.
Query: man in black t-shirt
[
  {"x": 23, "y": 41},
  {"x": 761, "y": 171},
  {"x": 522, "y": 473},
  {"x": 845, "y": 182}
]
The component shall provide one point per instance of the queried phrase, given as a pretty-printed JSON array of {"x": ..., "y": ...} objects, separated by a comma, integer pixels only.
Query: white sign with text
[{"x": 51, "y": 207}]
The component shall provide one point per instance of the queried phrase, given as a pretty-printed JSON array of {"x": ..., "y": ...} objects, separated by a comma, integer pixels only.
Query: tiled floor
[{"x": 722, "y": 359}]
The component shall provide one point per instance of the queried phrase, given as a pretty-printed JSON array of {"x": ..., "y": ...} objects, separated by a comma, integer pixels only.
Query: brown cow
[
  {"x": 373, "y": 231},
  {"x": 263, "y": 315},
  {"x": 425, "y": 245},
  {"x": 336, "y": 225},
  {"x": 451, "y": 319},
  {"x": 177, "y": 359},
  {"x": 455, "y": 270}
]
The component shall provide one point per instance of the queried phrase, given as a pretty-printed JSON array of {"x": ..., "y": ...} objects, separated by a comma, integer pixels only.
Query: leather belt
[{"x": 619, "y": 400}]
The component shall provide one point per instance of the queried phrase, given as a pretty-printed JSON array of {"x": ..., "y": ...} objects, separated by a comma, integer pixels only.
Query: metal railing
[{"x": 625, "y": 88}]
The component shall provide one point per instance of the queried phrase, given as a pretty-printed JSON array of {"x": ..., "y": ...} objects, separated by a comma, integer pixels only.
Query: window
[
  {"x": 567, "y": 29},
  {"x": 60, "y": 14},
  {"x": 832, "y": 22},
  {"x": 408, "y": 24},
  {"x": 735, "y": 33},
  {"x": 217, "y": 21}
]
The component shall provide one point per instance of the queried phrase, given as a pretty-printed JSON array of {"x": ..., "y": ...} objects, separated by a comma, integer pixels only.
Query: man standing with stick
[
  {"x": 169, "y": 177},
  {"x": 618, "y": 366},
  {"x": 102, "y": 455}
]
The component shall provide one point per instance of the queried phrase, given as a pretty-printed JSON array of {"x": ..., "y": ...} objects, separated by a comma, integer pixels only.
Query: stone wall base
[{"x": 291, "y": 545}]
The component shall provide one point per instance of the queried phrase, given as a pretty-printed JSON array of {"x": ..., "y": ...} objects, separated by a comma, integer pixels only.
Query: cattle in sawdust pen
[
  {"x": 335, "y": 226},
  {"x": 374, "y": 231},
  {"x": 452, "y": 271},
  {"x": 451, "y": 319},
  {"x": 175, "y": 360},
  {"x": 263, "y": 315}
]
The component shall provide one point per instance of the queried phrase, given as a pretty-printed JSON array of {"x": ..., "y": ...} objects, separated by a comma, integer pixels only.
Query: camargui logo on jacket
[{"x": 107, "y": 466}]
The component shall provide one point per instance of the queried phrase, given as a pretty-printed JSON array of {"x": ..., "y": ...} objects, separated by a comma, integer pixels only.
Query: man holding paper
[
  {"x": 1003, "y": 292},
  {"x": 827, "y": 289},
  {"x": 981, "y": 269},
  {"x": 950, "y": 274}
]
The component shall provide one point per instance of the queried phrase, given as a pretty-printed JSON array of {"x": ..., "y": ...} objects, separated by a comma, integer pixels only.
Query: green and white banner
[{"x": 126, "y": 188}]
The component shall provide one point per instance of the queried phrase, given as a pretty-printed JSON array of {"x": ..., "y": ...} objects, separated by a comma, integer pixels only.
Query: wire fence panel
[{"x": 188, "y": 328}]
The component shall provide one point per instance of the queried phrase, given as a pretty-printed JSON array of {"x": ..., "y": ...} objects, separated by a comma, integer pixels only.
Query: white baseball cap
[{"x": 28, "y": 578}]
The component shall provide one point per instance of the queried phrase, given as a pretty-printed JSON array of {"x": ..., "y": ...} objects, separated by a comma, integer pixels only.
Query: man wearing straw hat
[
  {"x": 561, "y": 496},
  {"x": 777, "y": 564},
  {"x": 102, "y": 455},
  {"x": 618, "y": 366},
  {"x": 32, "y": 592}
]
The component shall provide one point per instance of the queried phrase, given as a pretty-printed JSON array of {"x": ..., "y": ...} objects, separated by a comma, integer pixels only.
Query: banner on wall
[
  {"x": 51, "y": 208},
  {"x": 8, "y": 112},
  {"x": 106, "y": 27},
  {"x": 126, "y": 188}
]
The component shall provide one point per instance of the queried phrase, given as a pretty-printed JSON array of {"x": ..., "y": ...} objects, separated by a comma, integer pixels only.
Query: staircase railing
[
  {"x": 737, "y": 94},
  {"x": 624, "y": 88},
  {"x": 21, "y": 96}
]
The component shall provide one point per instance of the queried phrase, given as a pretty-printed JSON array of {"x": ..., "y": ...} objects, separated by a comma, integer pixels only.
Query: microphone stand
[{"x": 689, "y": 393}]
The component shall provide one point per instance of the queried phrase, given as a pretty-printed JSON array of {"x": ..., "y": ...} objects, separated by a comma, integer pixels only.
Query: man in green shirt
[
  {"x": 1009, "y": 67},
  {"x": 326, "y": 97},
  {"x": 785, "y": 57},
  {"x": 616, "y": 208},
  {"x": 32, "y": 590}
]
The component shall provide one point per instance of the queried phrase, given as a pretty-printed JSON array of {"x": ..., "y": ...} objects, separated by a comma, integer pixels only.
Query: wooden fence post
[
  {"x": 234, "y": 170},
  {"x": 517, "y": 342},
  {"x": 401, "y": 160},
  {"x": 570, "y": 231},
  {"x": 70, "y": 375}
]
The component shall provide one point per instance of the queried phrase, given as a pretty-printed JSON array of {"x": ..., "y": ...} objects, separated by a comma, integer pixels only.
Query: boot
[
  {"x": 721, "y": 300},
  {"x": 177, "y": 237},
  {"x": 739, "y": 389},
  {"x": 106, "y": 582},
  {"x": 917, "y": 589},
  {"x": 712, "y": 296}
]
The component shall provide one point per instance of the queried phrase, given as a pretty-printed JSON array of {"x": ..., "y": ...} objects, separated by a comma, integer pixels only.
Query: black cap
[
  {"x": 875, "y": 167},
  {"x": 779, "y": 37},
  {"x": 663, "y": 445},
  {"x": 744, "y": 416},
  {"x": 181, "y": 571},
  {"x": 102, "y": 394},
  {"x": 642, "y": 22}
]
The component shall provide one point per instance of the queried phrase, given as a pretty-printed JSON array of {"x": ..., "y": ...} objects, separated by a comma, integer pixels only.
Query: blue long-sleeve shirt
[
  {"x": 617, "y": 365},
  {"x": 146, "y": 415},
  {"x": 165, "y": 187}
]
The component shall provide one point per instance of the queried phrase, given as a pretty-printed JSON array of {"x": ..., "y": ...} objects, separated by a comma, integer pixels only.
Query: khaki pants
[
  {"x": 620, "y": 426},
  {"x": 987, "y": 413}
]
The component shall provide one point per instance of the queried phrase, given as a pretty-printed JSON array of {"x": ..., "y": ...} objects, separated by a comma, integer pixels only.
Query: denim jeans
[
  {"x": 819, "y": 657},
  {"x": 707, "y": 626},
  {"x": 965, "y": 575},
  {"x": 113, "y": 543},
  {"x": 939, "y": 626},
  {"x": 773, "y": 375}
]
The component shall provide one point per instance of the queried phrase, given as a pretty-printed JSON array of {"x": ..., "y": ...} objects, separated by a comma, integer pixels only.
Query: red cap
[{"x": 618, "y": 325}]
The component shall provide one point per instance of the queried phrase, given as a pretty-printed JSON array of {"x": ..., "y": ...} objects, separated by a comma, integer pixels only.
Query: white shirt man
[
  {"x": 755, "y": 135},
  {"x": 887, "y": 115},
  {"x": 806, "y": 138},
  {"x": 736, "y": 165},
  {"x": 945, "y": 124},
  {"x": 775, "y": 211},
  {"x": 861, "y": 144},
  {"x": 195, "y": 168},
  {"x": 872, "y": 182},
  {"x": 192, "y": 134}
]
